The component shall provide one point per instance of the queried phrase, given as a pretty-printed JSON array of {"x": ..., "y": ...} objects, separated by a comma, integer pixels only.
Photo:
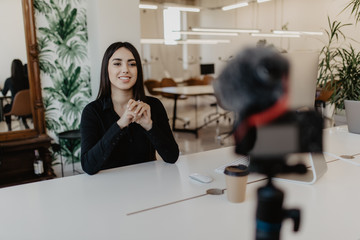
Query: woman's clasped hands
[{"x": 138, "y": 112}]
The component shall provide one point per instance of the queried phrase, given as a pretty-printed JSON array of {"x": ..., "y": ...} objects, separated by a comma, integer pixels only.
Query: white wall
[
  {"x": 310, "y": 15},
  {"x": 110, "y": 21},
  {"x": 12, "y": 37}
]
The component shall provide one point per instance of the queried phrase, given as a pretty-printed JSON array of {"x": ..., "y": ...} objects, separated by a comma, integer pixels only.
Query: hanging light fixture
[
  {"x": 225, "y": 30},
  {"x": 207, "y": 33},
  {"x": 297, "y": 32},
  {"x": 148, "y": 6},
  {"x": 234, "y": 6},
  {"x": 275, "y": 35},
  {"x": 185, "y": 9}
]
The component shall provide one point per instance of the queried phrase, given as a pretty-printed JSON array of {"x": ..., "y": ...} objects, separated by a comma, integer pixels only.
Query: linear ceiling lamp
[
  {"x": 234, "y": 6},
  {"x": 207, "y": 33},
  {"x": 275, "y": 35},
  {"x": 226, "y": 30},
  {"x": 185, "y": 9},
  {"x": 298, "y": 32},
  {"x": 187, "y": 41},
  {"x": 203, "y": 41},
  {"x": 261, "y": 1},
  {"x": 152, "y": 41},
  {"x": 148, "y": 6}
]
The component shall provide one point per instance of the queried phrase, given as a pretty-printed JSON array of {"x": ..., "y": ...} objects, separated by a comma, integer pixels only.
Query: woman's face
[{"x": 122, "y": 69}]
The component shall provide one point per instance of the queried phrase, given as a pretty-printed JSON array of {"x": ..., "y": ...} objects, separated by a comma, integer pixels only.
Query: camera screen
[{"x": 276, "y": 140}]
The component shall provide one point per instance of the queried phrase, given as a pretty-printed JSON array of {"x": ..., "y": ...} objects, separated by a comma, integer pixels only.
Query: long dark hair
[
  {"x": 18, "y": 77},
  {"x": 105, "y": 89}
]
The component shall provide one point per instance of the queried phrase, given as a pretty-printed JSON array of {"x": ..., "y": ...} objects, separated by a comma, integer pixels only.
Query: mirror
[
  {"x": 34, "y": 79},
  {"x": 12, "y": 47}
]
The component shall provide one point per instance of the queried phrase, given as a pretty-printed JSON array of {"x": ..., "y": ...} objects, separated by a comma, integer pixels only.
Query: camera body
[{"x": 293, "y": 132}]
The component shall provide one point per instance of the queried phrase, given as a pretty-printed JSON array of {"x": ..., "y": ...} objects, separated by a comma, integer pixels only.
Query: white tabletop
[
  {"x": 97, "y": 207},
  {"x": 188, "y": 90}
]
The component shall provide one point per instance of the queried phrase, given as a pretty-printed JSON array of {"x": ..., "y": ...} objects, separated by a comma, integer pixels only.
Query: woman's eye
[
  {"x": 117, "y": 64},
  {"x": 132, "y": 64}
]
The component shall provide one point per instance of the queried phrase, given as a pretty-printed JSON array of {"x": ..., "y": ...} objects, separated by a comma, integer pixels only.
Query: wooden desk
[
  {"x": 188, "y": 91},
  {"x": 96, "y": 207}
]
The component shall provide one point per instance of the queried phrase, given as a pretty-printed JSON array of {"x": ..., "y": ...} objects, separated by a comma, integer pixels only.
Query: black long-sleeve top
[{"x": 105, "y": 145}]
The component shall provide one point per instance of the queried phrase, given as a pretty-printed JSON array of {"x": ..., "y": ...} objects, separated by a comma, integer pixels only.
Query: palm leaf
[
  {"x": 74, "y": 52},
  {"x": 354, "y": 6},
  {"x": 42, "y": 7}
]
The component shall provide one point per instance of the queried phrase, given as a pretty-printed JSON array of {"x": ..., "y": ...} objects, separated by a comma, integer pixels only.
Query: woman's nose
[{"x": 124, "y": 69}]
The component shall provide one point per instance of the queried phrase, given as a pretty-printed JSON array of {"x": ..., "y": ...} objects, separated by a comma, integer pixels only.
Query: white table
[
  {"x": 96, "y": 207},
  {"x": 187, "y": 91}
]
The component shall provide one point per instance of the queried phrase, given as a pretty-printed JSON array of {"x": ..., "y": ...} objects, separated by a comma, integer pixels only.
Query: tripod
[{"x": 270, "y": 212}]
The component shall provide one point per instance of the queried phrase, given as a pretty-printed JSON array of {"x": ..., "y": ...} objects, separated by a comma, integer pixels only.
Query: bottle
[{"x": 38, "y": 164}]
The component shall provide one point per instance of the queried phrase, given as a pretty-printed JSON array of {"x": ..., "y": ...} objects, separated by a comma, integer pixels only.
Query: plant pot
[{"x": 352, "y": 110}]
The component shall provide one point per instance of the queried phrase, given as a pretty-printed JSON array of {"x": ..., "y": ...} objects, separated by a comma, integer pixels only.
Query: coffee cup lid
[{"x": 237, "y": 171}]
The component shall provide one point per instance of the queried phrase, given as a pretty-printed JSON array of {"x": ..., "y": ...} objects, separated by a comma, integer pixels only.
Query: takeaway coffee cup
[{"x": 236, "y": 180}]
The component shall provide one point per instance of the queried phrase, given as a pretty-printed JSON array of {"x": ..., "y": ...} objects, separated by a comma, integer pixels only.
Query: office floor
[{"x": 15, "y": 124}]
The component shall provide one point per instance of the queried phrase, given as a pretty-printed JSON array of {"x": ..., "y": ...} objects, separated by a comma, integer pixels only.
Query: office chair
[
  {"x": 193, "y": 82},
  {"x": 150, "y": 84},
  {"x": 215, "y": 116},
  {"x": 169, "y": 82},
  {"x": 21, "y": 106},
  {"x": 323, "y": 95},
  {"x": 207, "y": 79}
]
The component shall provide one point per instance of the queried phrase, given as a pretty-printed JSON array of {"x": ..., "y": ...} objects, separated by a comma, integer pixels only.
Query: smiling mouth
[{"x": 124, "y": 79}]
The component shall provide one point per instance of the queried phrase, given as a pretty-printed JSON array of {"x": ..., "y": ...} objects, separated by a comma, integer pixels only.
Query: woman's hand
[
  {"x": 142, "y": 115},
  {"x": 128, "y": 116},
  {"x": 136, "y": 111}
]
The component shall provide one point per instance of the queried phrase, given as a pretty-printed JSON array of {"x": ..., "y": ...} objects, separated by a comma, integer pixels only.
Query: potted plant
[
  {"x": 329, "y": 60},
  {"x": 339, "y": 67}
]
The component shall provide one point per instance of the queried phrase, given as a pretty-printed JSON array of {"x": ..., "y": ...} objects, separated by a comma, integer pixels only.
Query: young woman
[
  {"x": 123, "y": 126},
  {"x": 17, "y": 82}
]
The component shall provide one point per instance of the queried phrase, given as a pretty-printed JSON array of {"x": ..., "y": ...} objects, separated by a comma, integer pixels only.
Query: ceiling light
[
  {"x": 207, "y": 33},
  {"x": 233, "y": 6},
  {"x": 297, "y": 32},
  {"x": 187, "y": 41},
  {"x": 275, "y": 35},
  {"x": 313, "y": 33},
  {"x": 148, "y": 6},
  {"x": 185, "y": 9},
  {"x": 261, "y": 1},
  {"x": 151, "y": 41},
  {"x": 203, "y": 41},
  {"x": 225, "y": 30},
  {"x": 285, "y": 32}
]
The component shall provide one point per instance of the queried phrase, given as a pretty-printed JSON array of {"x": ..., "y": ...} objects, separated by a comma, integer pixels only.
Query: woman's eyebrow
[
  {"x": 119, "y": 59},
  {"x": 116, "y": 59}
]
